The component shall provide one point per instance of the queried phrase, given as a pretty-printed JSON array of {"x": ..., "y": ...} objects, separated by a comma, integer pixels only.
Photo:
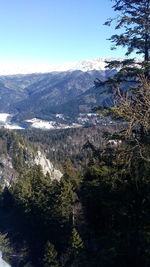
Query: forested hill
[
  {"x": 17, "y": 154},
  {"x": 60, "y": 145},
  {"x": 43, "y": 94},
  {"x": 85, "y": 214},
  {"x": 80, "y": 197},
  {"x": 21, "y": 150}
]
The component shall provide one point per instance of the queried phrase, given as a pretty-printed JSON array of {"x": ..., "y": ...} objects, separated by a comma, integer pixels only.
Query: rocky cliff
[
  {"x": 47, "y": 166},
  {"x": 16, "y": 155}
]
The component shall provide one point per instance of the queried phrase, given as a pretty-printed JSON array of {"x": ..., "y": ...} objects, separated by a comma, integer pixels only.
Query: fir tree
[
  {"x": 77, "y": 249},
  {"x": 134, "y": 21},
  {"x": 50, "y": 256}
]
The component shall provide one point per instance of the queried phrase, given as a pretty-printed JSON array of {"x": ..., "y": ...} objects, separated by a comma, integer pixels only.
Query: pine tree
[
  {"x": 50, "y": 256},
  {"x": 5, "y": 246},
  {"x": 134, "y": 21},
  {"x": 77, "y": 249},
  {"x": 66, "y": 199},
  {"x": 77, "y": 243},
  {"x": 71, "y": 175}
]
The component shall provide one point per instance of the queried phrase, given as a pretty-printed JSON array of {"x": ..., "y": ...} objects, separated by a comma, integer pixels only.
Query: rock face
[
  {"x": 17, "y": 155},
  {"x": 47, "y": 166},
  {"x": 7, "y": 172},
  {"x": 9, "y": 175}
]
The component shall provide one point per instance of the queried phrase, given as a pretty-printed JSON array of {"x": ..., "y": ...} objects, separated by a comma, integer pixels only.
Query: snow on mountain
[
  {"x": 6, "y": 123},
  {"x": 4, "y": 117},
  {"x": 12, "y": 126},
  {"x": 89, "y": 65},
  {"x": 24, "y": 68},
  {"x": 41, "y": 124},
  {"x": 50, "y": 125}
]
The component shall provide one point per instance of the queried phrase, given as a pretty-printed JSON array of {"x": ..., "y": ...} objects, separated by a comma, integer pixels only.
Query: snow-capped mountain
[{"x": 24, "y": 68}]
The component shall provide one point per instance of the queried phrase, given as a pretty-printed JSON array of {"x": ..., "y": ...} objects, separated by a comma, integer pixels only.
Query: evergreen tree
[
  {"x": 77, "y": 242},
  {"x": 66, "y": 199},
  {"x": 50, "y": 256},
  {"x": 5, "y": 246},
  {"x": 115, "y": 200},
  {"x": 115, "y": 193},
  {"x": 71, "y": 175},
  {"x": 134, "y": 21},
  {"x": 77, "y": 248}
]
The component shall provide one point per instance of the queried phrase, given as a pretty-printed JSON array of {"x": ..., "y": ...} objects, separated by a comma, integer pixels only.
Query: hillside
[
  {"x": 41, "y": 95},
  {"x": 18, "y": 154}
]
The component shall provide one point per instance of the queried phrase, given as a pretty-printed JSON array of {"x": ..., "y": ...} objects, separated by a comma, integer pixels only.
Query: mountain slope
[
  {"x": 85, "y": 102},
  {"x": 43, "y": 94},
  {"x": 17, "y": 155},
  {"x": 57, "y": 90}
]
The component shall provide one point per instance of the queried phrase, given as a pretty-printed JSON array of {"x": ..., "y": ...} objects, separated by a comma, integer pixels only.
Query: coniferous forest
[{"x": 98, "y": 213}]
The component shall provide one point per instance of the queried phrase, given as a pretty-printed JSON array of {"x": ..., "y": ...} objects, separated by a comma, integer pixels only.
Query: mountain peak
[{"x": 24, "y": 68}]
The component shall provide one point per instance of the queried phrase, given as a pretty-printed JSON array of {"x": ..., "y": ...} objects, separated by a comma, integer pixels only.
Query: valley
[
  {"x": 67, "y": 187},
  {"x": 57, "y": 99},
  {"x": 75, "y": 133},
  {"x": 56, "y": 121}
]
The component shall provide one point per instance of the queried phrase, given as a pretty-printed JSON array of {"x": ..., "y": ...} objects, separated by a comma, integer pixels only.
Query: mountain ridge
[
  {"x": 31, "y": 68},
  {"x": 44, "y": 95}
]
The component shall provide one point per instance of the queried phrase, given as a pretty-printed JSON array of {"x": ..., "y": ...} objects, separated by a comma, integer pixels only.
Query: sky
[{"x": 55, "y": 31}]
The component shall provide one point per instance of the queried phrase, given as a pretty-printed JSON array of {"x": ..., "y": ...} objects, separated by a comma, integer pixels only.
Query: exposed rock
[
  {"x": 7, "y": 172},
  {"x": 47, "y": 166},
  {"x": 9, "y": 175},
  {"x": 18, "y": 155}
]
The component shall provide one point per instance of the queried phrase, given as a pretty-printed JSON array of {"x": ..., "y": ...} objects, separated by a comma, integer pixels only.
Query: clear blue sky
[{"x": 55, "y": 31}]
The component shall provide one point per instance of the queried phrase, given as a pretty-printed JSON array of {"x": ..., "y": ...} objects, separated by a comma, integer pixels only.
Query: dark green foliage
[
  {"x": 133, "y": 18},
  {"x": 71, "y": 175},
  {"x": 5, "y": 246},
  {"x": 44, "y": 209},
  {"x": 76, "y": 244},
  {"x": 116, "y": 200},
  {"x": 100, "y": 218},
  {"x": 61, "y": 145},
  {"x": 115, "y": 192},
  {"x": 50, "y": 256},
  {"x": 16, "y": 148}
]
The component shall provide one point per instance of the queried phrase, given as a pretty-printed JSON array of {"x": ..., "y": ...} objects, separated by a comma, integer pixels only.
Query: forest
[{"x": 97, "y": 215}]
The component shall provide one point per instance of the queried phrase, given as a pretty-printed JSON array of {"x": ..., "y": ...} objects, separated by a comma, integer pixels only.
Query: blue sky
[{"x": 55, "y": 31}]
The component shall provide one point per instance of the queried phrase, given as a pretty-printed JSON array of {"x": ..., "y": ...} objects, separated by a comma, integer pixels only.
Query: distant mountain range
[
  {"x": 24, "y": 68},
  {"x": 69, "y": 92}
]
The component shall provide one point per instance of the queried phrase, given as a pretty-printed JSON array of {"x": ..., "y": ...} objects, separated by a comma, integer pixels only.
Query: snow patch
[
  {"x": 6, "y": 122},
  {"x": 13, "y": 127},
  {"x": 2, "y": 262},
  {"x": 60, "y": 116},
  {"x": 41, "y": 124},
  {"x": 4, "y": 117},
  {"x": 49, "y": 125}
]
